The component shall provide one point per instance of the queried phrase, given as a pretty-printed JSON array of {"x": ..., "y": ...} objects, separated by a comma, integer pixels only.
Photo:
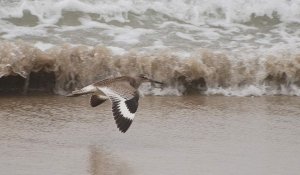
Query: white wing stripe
[{"x": 114, "y": 97}]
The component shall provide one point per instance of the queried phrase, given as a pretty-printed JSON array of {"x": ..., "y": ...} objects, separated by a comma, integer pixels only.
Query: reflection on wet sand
[{"x": 103, "y": 164}]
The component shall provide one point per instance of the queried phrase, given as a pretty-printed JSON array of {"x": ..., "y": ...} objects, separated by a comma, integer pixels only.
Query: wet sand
[{"x": 170, "y": 135}]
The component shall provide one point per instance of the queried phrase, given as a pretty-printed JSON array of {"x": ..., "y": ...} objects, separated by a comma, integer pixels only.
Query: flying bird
[{"x": 123, "y": 94}]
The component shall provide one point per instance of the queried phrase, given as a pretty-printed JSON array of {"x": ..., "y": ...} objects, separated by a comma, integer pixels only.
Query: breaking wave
[
  {"x": 69, "y": 67},
  {"x": 183, "y": 25}
]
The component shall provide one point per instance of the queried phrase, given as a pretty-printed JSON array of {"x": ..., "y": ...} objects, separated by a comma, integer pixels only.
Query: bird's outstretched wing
[{"x": 124, "y": 100}]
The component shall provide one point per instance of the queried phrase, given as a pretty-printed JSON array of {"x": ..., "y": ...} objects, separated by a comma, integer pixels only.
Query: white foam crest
[
  {"x": 86, "y": 24},
  {"x": 138, "y": 24},
  {"x": 43, "y": 46},
  {"x": 51, "y": 11},
  {"x": 129, "y": 35},
  {"x": 193, "y": 12},
  {"x": 186, "y": 36},
  {"x": 146, "y": 89},
  {"x": 254, "y": 90},
  {"x": 238, "y": 91},
  {"x": 16, "y": 31},
  {"x": 117, "y": 50},
  {"x": 196, "y": 12}
]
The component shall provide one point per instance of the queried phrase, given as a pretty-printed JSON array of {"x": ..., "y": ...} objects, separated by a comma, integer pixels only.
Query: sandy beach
[{"x": 218, "y": 135}]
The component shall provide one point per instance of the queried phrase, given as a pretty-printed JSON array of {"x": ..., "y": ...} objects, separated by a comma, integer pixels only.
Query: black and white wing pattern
[{"x": 124, "y": 100}]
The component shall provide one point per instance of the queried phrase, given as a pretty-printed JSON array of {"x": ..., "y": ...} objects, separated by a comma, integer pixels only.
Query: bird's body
[{"x": 122, "y": 92}]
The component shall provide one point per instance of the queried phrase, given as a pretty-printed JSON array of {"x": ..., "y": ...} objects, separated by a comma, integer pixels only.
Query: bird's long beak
[{"x": 153, "y": 81}]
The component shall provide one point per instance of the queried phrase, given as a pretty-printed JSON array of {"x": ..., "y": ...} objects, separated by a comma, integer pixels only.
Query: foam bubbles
[
  {"x": 43, "y": 46},
  {"x": 247, "y": 26},
  {"x": 255, "y": 90},
  {"x": 117, "y": 50},
  {"x": 129, "y": 35}
]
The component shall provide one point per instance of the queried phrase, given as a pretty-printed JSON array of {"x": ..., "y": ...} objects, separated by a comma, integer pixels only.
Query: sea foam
[{"x": 182, "y": 25}]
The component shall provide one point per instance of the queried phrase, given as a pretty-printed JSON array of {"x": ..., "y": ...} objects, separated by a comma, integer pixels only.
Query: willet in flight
[{"x": 122, "y": 92}]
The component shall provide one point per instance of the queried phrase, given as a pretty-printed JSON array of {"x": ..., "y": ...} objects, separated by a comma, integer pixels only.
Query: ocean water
[{"x": 234, "y": 48}]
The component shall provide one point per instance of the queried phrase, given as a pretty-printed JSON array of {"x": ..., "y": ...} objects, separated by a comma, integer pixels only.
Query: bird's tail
[{"x": 86, "y": 90}]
